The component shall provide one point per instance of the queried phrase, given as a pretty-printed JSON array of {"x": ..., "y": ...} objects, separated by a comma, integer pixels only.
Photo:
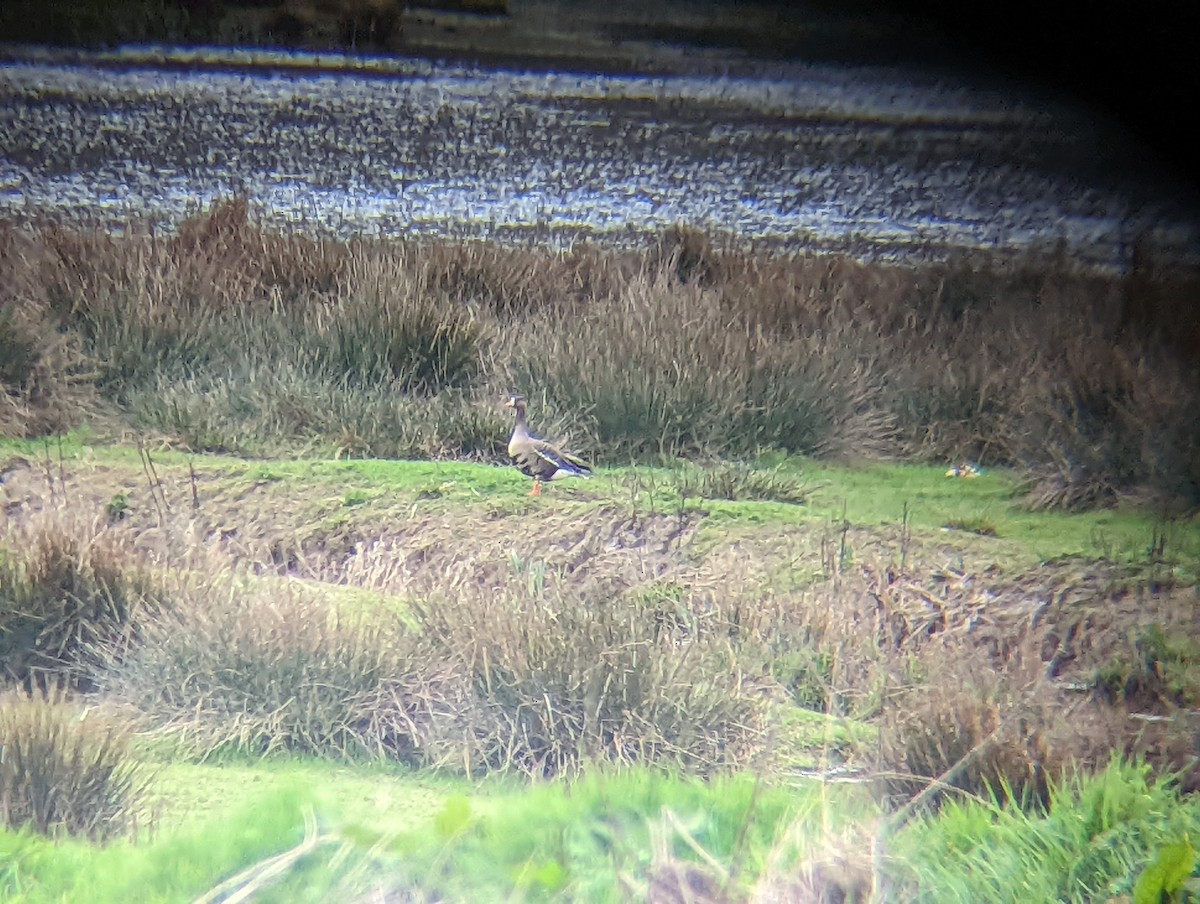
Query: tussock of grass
[
  {"x": 230, "y": 671},
  {"x": 279, "y": 410},
  {"x": 387, "y": 326},
  {"x": 536, "y": 669},
  {"x": 685, "y": 348},
  {"x": 45, "y": 382},
  {"x": 532, "y": 677},
  {"x": 565, "y": 681},
  {"x": 671, "y": 368},
  {"x": 68, "y": 585},
  {"x": 67, "y": 770},
  {"x": 19, "y": 353}
]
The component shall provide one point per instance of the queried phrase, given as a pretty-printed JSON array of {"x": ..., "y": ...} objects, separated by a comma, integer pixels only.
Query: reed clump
[
  {"x": 229, "y": 337},
  {"x": 225, "y": 671},
  {"x": 568, "y": 679},
  {"x": 68, "y": 585},
  {"x": 68, "y": 770}
]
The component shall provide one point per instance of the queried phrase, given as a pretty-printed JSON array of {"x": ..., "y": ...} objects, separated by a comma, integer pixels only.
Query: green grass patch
[
  {"x": 983, "y": 514},
  {"x": 811, "y": 740},
  {"x": 881, "y": 494},
  {"x": 389, "y": 797},
  {"x": 339, "y": 833},
  {"x": 177, "y": 865},
  {"x": 576, "y": 840},
  {"x": 1099, "y": 834}
]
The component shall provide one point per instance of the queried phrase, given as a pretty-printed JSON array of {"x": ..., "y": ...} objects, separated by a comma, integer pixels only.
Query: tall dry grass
[
  {"x": 673, "y": 368},
  {"x": 568, "y": 677},
  {"x": 621, "y": 642},
  {"x": 228, "y": 337},
  {"x": 227, "y": 669},
  {"x": 68, "y": 586},
  {"x": 67, "y": 769}
]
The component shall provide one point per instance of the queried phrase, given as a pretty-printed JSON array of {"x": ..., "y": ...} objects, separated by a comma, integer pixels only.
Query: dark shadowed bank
[
  {"x": 541, "y": 28},
  {"x": 1132, "y": 62}
]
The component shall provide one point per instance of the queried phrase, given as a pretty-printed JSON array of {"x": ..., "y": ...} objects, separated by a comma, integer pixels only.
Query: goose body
[{"x": 536, "y": 458}]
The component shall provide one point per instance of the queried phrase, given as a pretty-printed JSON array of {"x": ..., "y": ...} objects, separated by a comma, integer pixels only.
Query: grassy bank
[
  {"x": 226, "y": 338},
  {"x": 277, "y": 620},
  {"x": 400, "y": 628},
  {"x": 300, "y": 837}
]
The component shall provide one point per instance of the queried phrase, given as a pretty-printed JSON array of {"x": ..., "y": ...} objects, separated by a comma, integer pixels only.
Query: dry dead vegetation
[
  {"x": 232, "y": 614},
  {"x": 229, "y": 338},
  {"x": 455, "y": 635}
]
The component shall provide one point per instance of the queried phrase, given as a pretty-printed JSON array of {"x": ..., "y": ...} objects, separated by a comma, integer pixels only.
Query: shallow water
[{"x": 881, "y": 163}]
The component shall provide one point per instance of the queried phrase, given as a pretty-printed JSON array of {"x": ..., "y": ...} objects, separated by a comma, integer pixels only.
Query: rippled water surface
[{"x": 884, "y": 164}]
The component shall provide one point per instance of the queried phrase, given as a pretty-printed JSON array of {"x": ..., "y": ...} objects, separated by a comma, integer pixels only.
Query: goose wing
[
  {"x": 558, "y": 461},
  {"x": 537, "y": 458}
]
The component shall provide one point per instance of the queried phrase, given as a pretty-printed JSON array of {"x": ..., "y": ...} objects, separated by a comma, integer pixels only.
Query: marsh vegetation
[
  {"x": 230, "y": 338},
  {"x": 252, "y": 514}
]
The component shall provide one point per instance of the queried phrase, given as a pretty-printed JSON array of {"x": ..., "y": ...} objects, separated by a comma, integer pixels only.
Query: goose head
[{"x": 517, "y": 403}]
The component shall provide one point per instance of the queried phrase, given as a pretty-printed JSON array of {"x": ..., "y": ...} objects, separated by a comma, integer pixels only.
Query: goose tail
[{"x": 572, "y": 467}]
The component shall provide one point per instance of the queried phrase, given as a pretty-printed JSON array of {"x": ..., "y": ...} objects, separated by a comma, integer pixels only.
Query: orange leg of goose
[{"x": 537, "y": 488}]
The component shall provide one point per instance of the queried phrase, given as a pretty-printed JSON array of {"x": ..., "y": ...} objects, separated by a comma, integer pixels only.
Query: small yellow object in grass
[{"x": 966, "y": 470}]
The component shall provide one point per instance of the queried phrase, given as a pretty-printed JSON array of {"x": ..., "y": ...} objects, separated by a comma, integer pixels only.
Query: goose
[{"x": 536, "y": 458}]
